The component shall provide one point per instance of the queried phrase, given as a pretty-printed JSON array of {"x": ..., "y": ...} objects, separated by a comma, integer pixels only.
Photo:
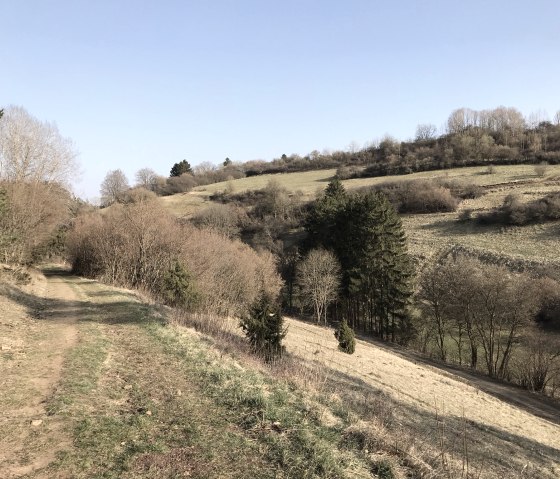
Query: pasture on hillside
[{"x": 429, "y": 233}]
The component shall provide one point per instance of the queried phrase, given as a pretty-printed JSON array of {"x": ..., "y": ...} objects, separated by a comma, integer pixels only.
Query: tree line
[{"x": 470, "y": 138}]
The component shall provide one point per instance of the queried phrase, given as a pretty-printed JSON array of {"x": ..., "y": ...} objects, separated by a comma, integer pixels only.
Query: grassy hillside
[
  {"x": 122, "y": 390},
  {"x": 429, "y": 233}
]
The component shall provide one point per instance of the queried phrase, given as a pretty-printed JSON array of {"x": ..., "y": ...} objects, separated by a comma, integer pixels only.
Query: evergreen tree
[
  {"x": 180, "y": 168},
  {"x": 177, "y": 288},
  {"x": 320, "y": 222},
  {"x": 367, "y": 236},
  {"x": 345, "y": 336},
  {"x": 264, "y": 327}
]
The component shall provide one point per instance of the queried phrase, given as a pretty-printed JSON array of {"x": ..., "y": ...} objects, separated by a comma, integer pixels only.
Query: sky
[{"x": 138, "y": 83}]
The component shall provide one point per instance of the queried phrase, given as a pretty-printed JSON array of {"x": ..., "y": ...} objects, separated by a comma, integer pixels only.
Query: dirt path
[
  {"x": 38, "y": 325},
  {"x": 426, "y": 394}
]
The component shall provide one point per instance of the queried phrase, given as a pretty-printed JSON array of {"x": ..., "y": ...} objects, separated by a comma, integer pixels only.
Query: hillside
[
  {"x": 140, "y": 396},
  {"x": 427, "y": 233}
]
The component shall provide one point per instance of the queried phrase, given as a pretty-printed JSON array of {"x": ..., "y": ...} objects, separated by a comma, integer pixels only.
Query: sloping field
[{"x": 437, "y": 406}]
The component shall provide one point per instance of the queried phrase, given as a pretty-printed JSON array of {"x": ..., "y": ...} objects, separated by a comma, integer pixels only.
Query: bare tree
[
  {"x": 113, "y": 187},
  {"x": 318, "y": 277},
  {"x": 426, "y": 131},
  {"x": 487, "y": 303},
  {"x": 34, "y": 151},
  {"x": 146, "y": 178}
]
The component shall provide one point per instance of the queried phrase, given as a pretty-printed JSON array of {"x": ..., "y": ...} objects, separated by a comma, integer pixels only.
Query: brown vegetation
[
  {"x": 138, "y": 244},
  {"x": 487, "y": 310}
]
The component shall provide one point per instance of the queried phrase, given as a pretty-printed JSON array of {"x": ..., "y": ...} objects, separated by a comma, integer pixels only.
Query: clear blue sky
[{"x": 145, "y": 84}]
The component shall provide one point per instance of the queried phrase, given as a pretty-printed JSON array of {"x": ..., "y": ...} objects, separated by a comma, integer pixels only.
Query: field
[
  {"x": 429, "y": 233},
  {"x": 97, "y": 383}
]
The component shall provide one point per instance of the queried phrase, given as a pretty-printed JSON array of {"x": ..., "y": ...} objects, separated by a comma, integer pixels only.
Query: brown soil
[{"x": 35, "y": 341}]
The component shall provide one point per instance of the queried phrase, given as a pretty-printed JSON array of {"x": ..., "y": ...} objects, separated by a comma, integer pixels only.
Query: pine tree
[
  {"x": 264, "y": 327},
  {"x": 180, "y": 168}
]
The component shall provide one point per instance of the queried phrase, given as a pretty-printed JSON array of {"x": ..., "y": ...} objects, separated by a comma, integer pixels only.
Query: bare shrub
[
  {"x": 229, "y": 275},
  {"x": 30, "y": 214},
  {"x": 137, "y": 245},
  {"x": 179, "y": 184},
  {"x": 514, "y": 212},
  {"x": 418, "y": 196},
  {"x": 138, "y": 194},
  {"x": 131, "y": 245},
  {"x": 223, "y": 219}
]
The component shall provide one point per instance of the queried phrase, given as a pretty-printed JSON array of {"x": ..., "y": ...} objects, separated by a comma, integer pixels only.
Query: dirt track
[{"x": 38, "y": 340}]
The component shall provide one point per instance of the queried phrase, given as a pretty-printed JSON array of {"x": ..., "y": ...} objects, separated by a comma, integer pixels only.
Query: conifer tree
[
  {"x": 177, "y": 288},
  {"x": 264, "y": 327},
  {"x": 345, "y": 337},
  {"x": 320, "y": 224},
  {"x": 180, "y": 168},
  {"x": 367, "y": 236}
]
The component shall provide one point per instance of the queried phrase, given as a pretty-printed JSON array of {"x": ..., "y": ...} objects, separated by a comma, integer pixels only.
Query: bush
[
  {"x": 514, "y": 212},
  {"x": 264, "y": 327},
  {"x": 346, "y": 338},
  {"x": 541, "y": 169},
  {"x": 418, "y": 196}
]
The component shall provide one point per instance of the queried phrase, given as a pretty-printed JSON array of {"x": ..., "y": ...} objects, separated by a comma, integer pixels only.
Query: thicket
[
  {"x": 33, "y": 220},
  {"x": 513, "y": 211},
  {"x": 263, "y": 217},
  {"x": 490, "y": 319},
  {"x": 418, "y": 196},
  {"x": 140, "y": 245}
]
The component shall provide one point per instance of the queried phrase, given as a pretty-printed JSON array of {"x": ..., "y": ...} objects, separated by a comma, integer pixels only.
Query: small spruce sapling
[
  {"x": 264, "y": 327},
  {"x": 177, "y": 288},
  {"x": 345, "y": 336}
]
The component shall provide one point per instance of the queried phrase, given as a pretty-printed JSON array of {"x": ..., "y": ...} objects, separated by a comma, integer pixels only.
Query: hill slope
[
  {"x": 140, "y": 397},
  {"x": 429, "y": 233}
]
